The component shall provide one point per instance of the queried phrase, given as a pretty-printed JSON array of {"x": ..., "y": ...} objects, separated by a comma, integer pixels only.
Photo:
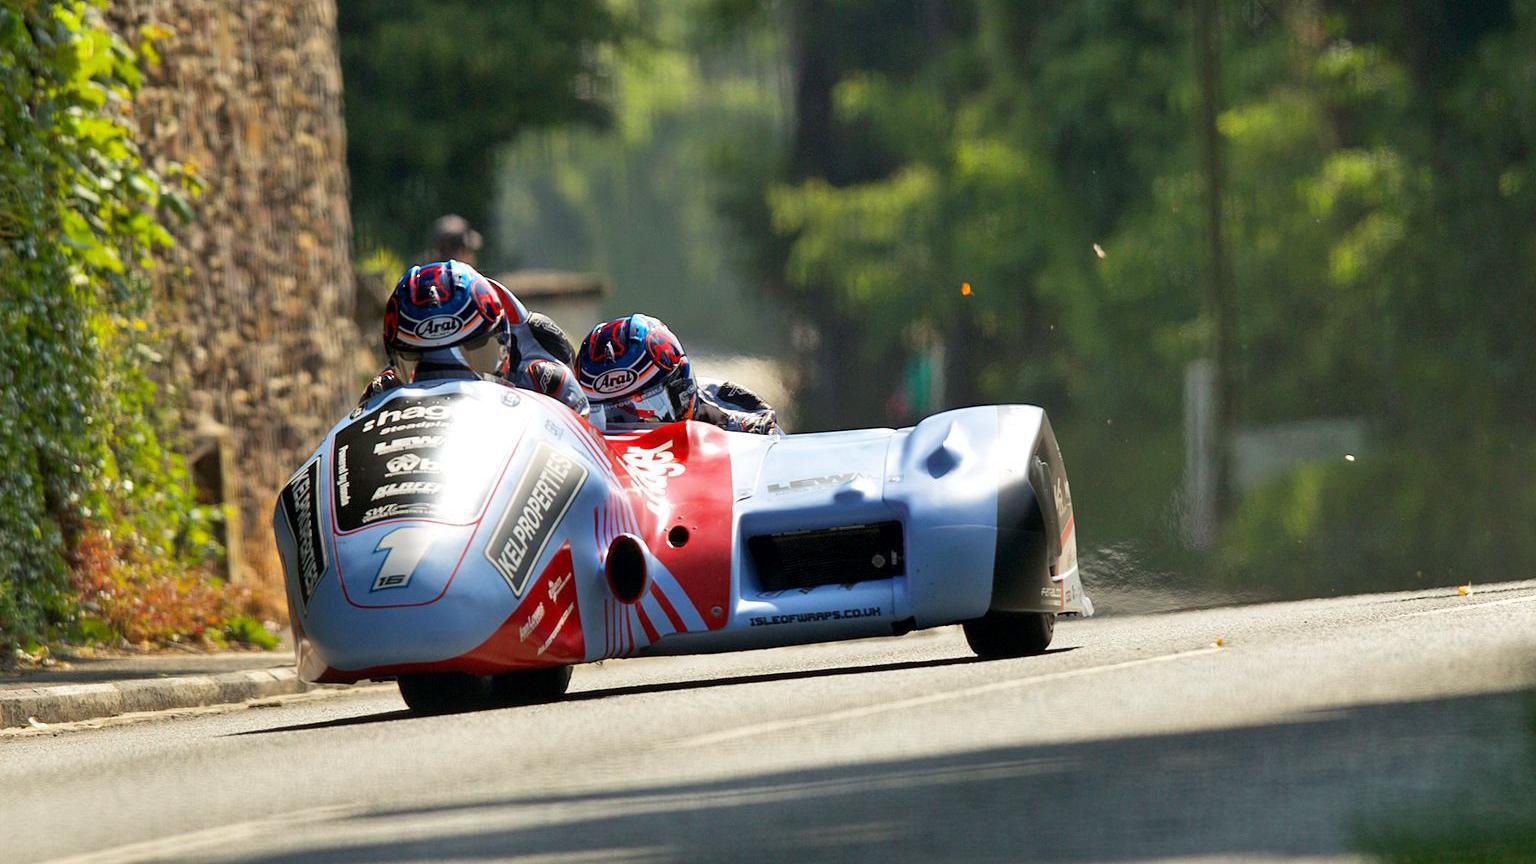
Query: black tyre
[
  {"x": 998, "y": 635},
  {"x": 530, "y": 686},
  {"x": 444, "y": 693}
]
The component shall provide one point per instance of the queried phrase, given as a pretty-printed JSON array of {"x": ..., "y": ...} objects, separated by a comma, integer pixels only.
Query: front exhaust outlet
[{"x": 626, "y": 569}]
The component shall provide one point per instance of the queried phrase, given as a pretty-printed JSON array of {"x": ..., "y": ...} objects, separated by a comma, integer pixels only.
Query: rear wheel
[
  {"x": 443, "y": 692},
  {"x": 449, "y": 692},
  {"x": 998, "y": 635},
  {"x": 530, "y": 686}
]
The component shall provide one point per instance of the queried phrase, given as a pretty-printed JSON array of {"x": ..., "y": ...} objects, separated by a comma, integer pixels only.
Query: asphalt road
[{"x": 1137, "y": 739}]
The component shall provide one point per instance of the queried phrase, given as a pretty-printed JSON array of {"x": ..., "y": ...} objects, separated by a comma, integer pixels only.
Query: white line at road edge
[
  {"x": 192, "y": 842},
  {"x": 1466, "y": 606},
  {"x": 918, "y": 701}
]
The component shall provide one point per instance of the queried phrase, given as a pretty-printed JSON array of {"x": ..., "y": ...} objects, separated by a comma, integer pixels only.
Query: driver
[
  {"x": 445, "y": 320},
  {"x": 635, "y": 373}
]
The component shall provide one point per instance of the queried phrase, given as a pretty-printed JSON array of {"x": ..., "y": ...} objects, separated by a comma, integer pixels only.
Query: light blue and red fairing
[{"x": 463, "y": 526}]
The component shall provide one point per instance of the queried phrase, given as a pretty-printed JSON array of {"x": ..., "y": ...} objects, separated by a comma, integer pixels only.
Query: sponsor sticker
[
  {"x": 542, "y": 497},
  {"x": 652, "y": 468},
  {"x": 302, "y": 511},
  {"x": 395, "y": 462},
  {"x": 410, "y": 463},
  {"x": 548, "y": 624},
  {"x": 415, "y": 442},
  {"x": 438, "y": 328},
  {"x": 389, "y": 490},
  {"x": 397, "y": 511},
  {"x": 391, "y": 416},
  {"x": 813, "y": 617},
  {"x": 807, "y": 484},
  {"x": 343, "y": 484},
  {"x": 614, "y": 381}
]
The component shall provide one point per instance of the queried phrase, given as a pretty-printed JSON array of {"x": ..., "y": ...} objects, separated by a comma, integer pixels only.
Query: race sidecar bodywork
[{"x": 461, "y": 535}]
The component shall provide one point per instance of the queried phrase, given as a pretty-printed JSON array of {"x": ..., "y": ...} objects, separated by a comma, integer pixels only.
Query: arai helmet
[
  {"x": 636, "y": 371},
  {"x": 444, "y": 314}
]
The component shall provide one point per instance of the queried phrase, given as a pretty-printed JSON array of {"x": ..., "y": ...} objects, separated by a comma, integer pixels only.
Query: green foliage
[
  {"x": 1378, "y": 211},
  {"x": 245, "y": 630},
  {"x": 636, "y": 201},
  {"x": 436, "y": 87},
  {"x": 1402, "y": 517},
  {"x": 82, "y": 422}
]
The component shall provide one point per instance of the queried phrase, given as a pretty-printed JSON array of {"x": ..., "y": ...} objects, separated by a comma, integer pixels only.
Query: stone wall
[{"x": 258, "y": 291}]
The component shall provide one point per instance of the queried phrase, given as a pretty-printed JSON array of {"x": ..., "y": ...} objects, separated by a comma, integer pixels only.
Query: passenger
[{"x": 635, "y": 372}]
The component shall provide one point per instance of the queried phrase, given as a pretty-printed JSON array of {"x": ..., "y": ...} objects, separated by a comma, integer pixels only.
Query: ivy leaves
[{"x": 80, "y": 215}]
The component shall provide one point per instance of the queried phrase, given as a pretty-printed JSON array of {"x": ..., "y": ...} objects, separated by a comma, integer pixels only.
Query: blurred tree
[
  {"x": 1376, "y": 212},
  {"x": 636, "y": 201},
  {"x": 436, "y": 87}
]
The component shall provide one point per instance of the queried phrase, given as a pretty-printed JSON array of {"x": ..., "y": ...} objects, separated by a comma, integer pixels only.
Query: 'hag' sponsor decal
[
  {"x": 548, "y": 487},
  {"x": 302, "y": 511},
  {"x": 396, "y": 462},
  {"x": 391, "y": 415}
]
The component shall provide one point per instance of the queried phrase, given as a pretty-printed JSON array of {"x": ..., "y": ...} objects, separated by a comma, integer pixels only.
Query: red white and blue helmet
[
  {"x": 636, "y": 371},
  {"x": 438, "y": 307}
]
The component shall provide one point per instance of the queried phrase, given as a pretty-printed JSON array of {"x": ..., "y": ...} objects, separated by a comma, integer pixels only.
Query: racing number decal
[{"x": 406, "y": 548}]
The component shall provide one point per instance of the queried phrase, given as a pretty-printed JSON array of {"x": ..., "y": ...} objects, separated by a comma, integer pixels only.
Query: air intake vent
[{"x": 828, "y": 556}]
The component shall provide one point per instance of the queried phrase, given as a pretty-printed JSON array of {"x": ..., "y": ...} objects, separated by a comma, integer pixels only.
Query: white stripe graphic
[
  {"x": 659, "y": 619},
  {"x": 678, "y": 598}
]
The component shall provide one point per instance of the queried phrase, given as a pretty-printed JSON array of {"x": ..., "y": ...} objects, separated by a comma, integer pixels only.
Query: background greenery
[
  {"x": 863, "y": 160},
  {"x": 434, "y": 87},
  {"x": 844, "y": 187}
]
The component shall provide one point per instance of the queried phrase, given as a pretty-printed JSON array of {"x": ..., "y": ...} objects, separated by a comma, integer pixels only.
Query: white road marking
[
  {"x": 1466, "y": 606},
  {"x": 180, "y": 845},
  {"x": 918, "y": 701}
]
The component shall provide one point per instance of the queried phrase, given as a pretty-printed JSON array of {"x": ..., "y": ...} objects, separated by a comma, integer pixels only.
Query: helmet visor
[
  {"x": 647, "y": 408},
  {"x": 484, "y": 357}
]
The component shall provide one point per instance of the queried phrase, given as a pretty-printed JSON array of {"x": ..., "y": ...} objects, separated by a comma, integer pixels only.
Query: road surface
[{"x": 1266, "y": 732}]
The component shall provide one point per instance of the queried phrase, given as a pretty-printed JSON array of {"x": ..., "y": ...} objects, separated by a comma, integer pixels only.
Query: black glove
[{"x": 389, "y": 379}]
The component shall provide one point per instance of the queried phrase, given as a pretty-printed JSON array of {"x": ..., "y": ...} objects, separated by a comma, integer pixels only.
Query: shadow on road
[
  {"x": 1297, "y": 787},
  {"x": 797, "y": 675},
  {"x": 662, "y": 687}
]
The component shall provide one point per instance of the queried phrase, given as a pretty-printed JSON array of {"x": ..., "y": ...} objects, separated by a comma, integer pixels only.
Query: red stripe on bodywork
[{"x": 679, "y": 474}]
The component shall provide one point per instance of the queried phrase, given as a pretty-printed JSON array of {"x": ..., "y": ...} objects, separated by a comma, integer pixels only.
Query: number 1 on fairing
[{"x": 406, "y": 547}]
